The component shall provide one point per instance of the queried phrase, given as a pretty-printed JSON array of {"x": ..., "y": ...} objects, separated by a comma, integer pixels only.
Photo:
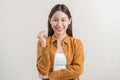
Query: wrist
[{"x": 44, "y": 45}]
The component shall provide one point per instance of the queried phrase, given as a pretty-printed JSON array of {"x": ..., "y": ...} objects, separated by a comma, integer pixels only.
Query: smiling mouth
[{"x": 59, "y": 30}]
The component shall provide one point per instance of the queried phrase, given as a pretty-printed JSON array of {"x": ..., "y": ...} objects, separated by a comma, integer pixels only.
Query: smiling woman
[
  {"x": 60, "y": 56},
  {"x": 59, "y": 23}
]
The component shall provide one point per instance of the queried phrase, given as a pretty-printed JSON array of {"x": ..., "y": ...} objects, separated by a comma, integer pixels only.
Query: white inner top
[{"x": 59, "y": 61}]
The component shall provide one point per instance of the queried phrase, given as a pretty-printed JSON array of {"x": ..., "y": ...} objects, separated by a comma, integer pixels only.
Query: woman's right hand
[{"x": 42, "y": 37}]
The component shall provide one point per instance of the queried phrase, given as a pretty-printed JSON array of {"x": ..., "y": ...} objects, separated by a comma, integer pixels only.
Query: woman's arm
[
  {"x": 73, "y": 70},
  {"x": 43, "y": 59}
]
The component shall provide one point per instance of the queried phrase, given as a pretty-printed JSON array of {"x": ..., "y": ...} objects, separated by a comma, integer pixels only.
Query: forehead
[{"x": 58, "y": 14}]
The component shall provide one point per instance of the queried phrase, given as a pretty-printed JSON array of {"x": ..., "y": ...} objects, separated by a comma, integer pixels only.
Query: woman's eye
[
  {"x": 63, "y": 20},
  {"x": 54, "y": 20}
]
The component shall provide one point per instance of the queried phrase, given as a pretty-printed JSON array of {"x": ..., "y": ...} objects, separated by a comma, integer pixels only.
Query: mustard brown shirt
[{"x": 73, "y": 50}]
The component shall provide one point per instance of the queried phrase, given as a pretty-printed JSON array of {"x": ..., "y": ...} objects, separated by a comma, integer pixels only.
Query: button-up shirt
[{"x": 73, "y": 50}]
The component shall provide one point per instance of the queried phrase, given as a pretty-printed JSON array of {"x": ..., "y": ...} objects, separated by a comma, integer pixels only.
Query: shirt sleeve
[
  {"x": 43, "y": 59},
  {"x": 73, "y": 70}
]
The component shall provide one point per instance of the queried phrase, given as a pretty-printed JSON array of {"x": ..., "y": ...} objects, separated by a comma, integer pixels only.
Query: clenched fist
[{"x": 42, "y": 37}]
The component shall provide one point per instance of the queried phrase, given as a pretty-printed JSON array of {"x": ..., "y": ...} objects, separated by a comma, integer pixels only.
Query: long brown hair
[{"x": 63, "y": 8}]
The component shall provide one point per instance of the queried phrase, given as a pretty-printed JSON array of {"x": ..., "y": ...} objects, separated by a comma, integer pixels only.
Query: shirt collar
[{"x": 65, "y": 40}]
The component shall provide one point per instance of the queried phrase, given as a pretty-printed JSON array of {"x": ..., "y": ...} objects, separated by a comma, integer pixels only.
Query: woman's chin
[{"x": 59, "y": 33}]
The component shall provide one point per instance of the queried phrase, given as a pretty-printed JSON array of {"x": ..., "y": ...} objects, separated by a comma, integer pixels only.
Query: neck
[{"x": 60, "y": 37}]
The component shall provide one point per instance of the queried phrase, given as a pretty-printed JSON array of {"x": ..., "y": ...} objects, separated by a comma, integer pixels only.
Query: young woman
[{"x": 60, "y": 56}]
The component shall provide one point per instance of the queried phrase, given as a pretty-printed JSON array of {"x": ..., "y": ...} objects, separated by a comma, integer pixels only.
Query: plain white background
[{"x": 95, "y": 22}]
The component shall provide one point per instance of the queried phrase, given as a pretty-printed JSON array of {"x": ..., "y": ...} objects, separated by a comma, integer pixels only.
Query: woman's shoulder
[{"x": 76, "y": 41}]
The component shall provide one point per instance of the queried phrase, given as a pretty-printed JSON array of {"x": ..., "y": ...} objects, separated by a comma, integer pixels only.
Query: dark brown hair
[{"x": 63, "y": 8}]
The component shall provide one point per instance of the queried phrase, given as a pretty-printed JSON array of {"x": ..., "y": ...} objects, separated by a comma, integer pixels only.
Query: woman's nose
[{"x": 59, "y": 23}]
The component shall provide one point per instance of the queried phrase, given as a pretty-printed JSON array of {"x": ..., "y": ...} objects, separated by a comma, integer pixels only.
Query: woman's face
[{"x": 59, "y": 23}]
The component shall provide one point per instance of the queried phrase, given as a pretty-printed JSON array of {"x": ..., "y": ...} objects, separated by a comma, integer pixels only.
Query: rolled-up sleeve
[{"x": 43, "y": 59}]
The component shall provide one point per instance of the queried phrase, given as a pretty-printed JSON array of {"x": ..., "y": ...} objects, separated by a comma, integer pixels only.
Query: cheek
[
  {"x": 53, "y": 23},
  {"x": 66, "y": 24}
]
